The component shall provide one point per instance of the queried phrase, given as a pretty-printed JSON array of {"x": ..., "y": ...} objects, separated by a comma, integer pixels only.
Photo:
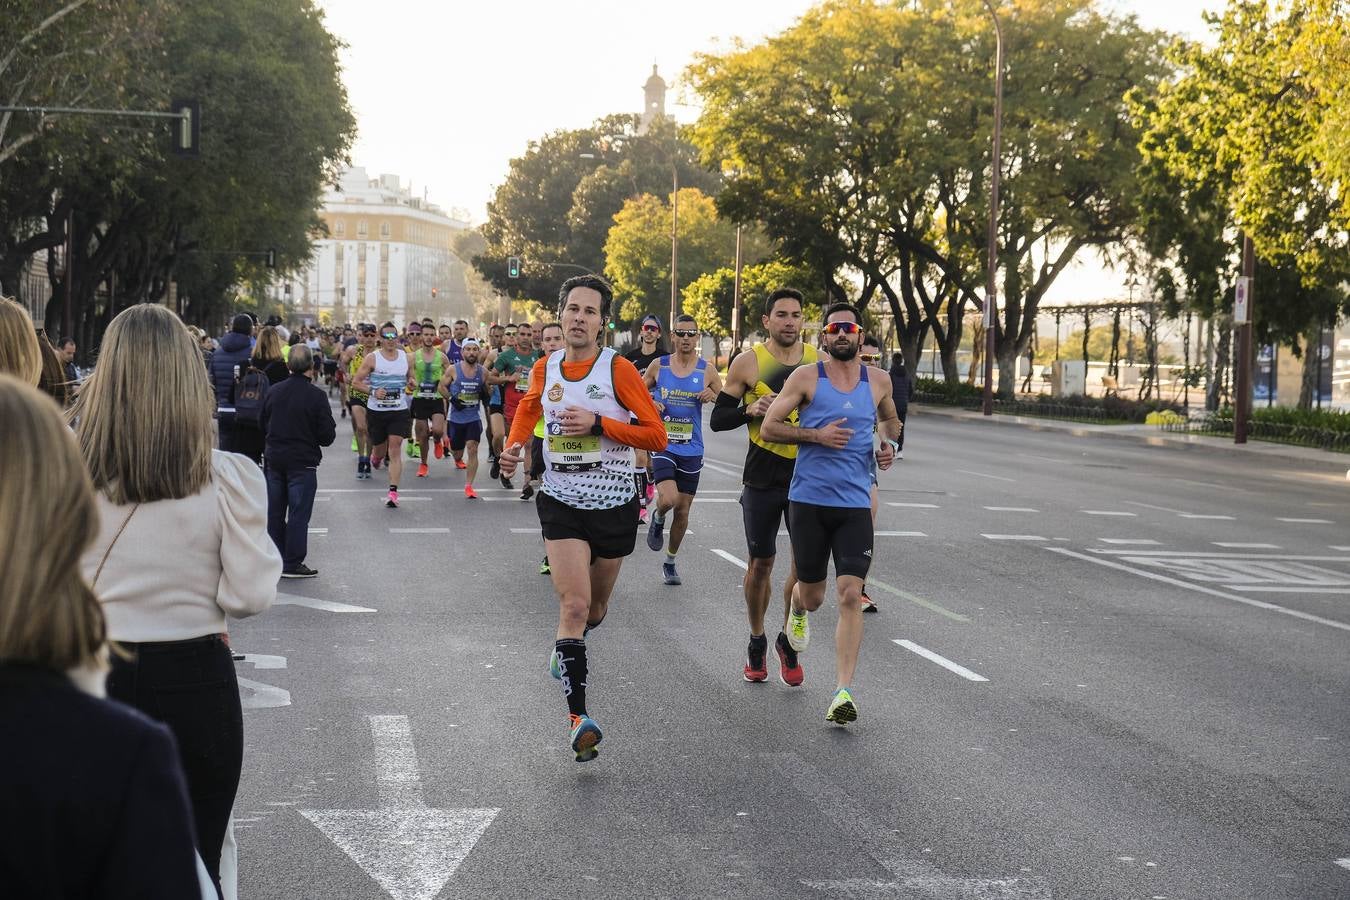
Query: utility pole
[
  {"x": 1243, "y": 298},
  {"x": 674, "y": 245},
  {"x": 736, "y": 298},
  {"x": 990, "y": 304}
]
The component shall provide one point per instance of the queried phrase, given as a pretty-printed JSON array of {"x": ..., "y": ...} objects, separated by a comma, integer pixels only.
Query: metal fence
[
  {"x": 1039, "y": 409},
  {"x": 1278, "y": 432}
]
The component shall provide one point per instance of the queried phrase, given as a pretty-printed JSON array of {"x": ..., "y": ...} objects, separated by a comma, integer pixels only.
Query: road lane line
[
  {"x": 1023, "y": 509},
  {"x": 313, "y": 603},
  {"x": 899, "y": 534},
  {"x": 419, "y": 530},
  {"x": 716, "y": 500},
  {"x": 317, "y": 530},
  {"x": 1306, "y": 521},
  {"x": 1053, "y": 459},
  {"x": 1180, "y": 512},
  {"x": 986, "y": 475},
  {"x": 914, "y": 505},
  {"x": 1216, "y": 554},
  {"x": 1205, "y": 516},
  {"x": 722, "y": 469},
  {"x": 1013, "y": 537},
  {"x": 1238, "y": 545},
  {"x": 941, "y": 661},
  {"x": 1199, "y": 588},
  {"x": 917, "y": 600},
  {"x": 1108, "y": 512},
  {"x": 731, "y": 559},
  {"x": 524, "y": 530},
  {"x": 396, "y": 774},
  {"x": 1141, "y": 542},
  {"x": 1340, "y": 548},
  {"x": 1276, "y": 589},
  {"x": 1344, "y": 863}
]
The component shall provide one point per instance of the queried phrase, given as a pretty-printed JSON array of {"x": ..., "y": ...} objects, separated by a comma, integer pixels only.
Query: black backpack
[{"x": 250, "y": 390}]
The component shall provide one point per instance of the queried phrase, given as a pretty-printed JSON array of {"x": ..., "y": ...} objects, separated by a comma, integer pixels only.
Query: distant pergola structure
[{"x": 1145, "y": 312}]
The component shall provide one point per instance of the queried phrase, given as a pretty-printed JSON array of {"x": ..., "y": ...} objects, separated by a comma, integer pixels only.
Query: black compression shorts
[
  {"x": 818, "y": 532},
  {"x": 763, "y": 510}
]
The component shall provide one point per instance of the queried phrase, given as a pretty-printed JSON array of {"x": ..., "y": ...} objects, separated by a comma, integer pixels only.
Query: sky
[{"x": 447, "y": 92}]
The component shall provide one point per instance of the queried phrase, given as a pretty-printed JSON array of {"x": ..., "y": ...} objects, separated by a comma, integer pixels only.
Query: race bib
[
  {"x": 573, "y": 452},
  {"x": 523, "y": 380},
  {"x": 468, "y": 398},
  {"x": 426, "y": 390},
  {"x": 679, "y": 431}
]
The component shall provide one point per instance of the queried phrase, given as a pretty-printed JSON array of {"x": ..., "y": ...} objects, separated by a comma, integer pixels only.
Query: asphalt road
[{"x": 1125, "y": 675}]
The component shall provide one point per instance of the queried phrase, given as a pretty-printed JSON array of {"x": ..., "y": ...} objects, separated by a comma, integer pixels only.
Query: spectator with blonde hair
[
  {"x": 98, "y": 806},
  {"x": 183, "y": 543},
  {"x": 20, "y": 350}
]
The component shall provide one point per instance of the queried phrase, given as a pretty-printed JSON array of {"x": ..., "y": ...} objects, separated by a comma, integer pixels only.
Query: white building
[{"x": 387, "y": 257}]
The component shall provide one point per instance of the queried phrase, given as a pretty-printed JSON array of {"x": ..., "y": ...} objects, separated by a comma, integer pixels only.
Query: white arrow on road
[
  {"x": 313, "y": 603},
  {"x": 410, "y": 849},
  {"x": 918, "y": 879}
]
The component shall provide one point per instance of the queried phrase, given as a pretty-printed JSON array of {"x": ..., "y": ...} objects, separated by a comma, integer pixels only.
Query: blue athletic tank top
[
  {"x": 825, "y": 476},
  {"x": 468, "y": 390},
  {"x": 683, "y": 413}
]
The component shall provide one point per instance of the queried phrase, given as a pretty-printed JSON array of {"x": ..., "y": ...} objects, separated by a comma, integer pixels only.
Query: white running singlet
[{"x": 585, "y": 471}]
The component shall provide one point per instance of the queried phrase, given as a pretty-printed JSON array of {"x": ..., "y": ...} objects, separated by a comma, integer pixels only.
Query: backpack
[{"x": 250, "y": 390}]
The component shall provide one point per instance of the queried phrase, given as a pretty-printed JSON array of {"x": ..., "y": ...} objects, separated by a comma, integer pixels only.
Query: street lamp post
[
  {"x": 990, "y": 319},
  {"x": 674, "y": 244}
]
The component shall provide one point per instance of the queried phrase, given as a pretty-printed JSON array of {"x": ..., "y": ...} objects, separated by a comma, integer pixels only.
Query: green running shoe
[
  {"x": 798, "y": 631},
  {"x": 842, "y": 708},
  {"x": 585, "y": 736},
  {"x": 554, "y": 666},
  {"x": 355, "y": 449}
]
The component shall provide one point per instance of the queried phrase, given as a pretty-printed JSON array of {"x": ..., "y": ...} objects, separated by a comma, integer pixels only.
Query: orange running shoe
[
  {"x": 422, "y": 470},
  {"x": 461, "y": 464},
  {"x": 470, "y": 492},
  {"x": 440, "y": 449}
]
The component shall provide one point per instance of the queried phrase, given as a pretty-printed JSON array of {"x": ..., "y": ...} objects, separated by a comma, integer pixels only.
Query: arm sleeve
[
  {"x": 728, "y": 414},
  {"x": 530, "y": 407},
  {"x": 249, "y": 562},
  {"x": 631, "y": 390},
  {"x": 154, "y": 855}
]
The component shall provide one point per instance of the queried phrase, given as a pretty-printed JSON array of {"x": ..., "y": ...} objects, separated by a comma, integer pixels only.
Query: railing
[
  {"x": 1040, "y": 409},
  {"x": 1278, "y": 432}
]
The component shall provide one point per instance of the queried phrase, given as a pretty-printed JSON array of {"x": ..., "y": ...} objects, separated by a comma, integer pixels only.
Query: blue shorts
[
  {"x": 683, "y": 470},
  {"x": 463, "y": 432}
]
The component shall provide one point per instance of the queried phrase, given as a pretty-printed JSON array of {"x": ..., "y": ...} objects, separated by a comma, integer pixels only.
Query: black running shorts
[
  {"x": 463, "y": 432},
  {"x": 380, "y": 425},
  {"x": 817, "y": 532},
  {"x": 536, "y": 458},
  {"x": 426, "y": 407},
  {"x": 763, "y": 510},
  {"x": 612, "y": 533},
  {"x": 683, "y": 470}
]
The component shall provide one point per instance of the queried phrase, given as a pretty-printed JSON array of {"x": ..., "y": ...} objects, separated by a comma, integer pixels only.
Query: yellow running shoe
[
  {"x": 842, "y": 708},
  {"x": 798, "y": 631}
]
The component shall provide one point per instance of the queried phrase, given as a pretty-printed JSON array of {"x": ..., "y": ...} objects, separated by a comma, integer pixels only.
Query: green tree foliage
[
  {"x": 637, "y": 250},
  {"x": 1232, "y": 143},
  {"x": 555, "y": 208},
  {"x": 709, "y": 298},
  {"x": 861, "y": 140}
]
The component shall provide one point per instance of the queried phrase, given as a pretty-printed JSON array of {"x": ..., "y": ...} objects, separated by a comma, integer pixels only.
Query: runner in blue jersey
[
  {"x": 830, "y": 497},
  {"x": 466, "y": 386},
  {"x": 680, "y": 384}
]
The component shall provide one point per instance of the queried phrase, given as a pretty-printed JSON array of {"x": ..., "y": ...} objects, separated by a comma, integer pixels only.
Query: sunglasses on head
[
  {"x": 843, "y": 328},
  {"x": 656, "y": 328},
  {"x": 685, "y": 332}
]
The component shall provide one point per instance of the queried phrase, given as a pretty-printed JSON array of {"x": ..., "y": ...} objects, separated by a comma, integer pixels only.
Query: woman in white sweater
[{"x": 182, "y": 544}]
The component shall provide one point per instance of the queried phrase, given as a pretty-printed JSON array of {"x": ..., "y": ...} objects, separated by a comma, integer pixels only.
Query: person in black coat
[
  {"x": 95, "y": 802},
  {"x": 902, "y": 390},
  {"x": 298, "y": 423},
  {"x": 229, "y": 361}
]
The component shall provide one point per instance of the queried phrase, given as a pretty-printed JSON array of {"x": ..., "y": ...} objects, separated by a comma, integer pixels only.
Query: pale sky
[{"x": 447, "y": 93}]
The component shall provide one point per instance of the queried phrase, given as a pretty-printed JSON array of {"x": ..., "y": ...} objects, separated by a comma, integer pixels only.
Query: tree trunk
[
  {"x": 1312, "y": 349},
  {"x": 1218, "y": 388},
  {"x": 1006, "y": 357}
]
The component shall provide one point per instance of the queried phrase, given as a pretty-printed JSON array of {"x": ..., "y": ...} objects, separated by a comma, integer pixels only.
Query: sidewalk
[{"x": 1154, "y": 436}]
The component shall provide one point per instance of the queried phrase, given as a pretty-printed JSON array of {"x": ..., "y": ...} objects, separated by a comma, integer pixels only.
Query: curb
[{"x": 1256, "y": 450}]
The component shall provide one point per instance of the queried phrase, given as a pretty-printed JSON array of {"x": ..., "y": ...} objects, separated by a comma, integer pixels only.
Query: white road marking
[
  {"x": 1208, "y": 484},
  {"x": 1343, "y": 549},
  {"x": 986, "y": 475},
  {"x": 722, "y": 468},
  {"x": 264, "y": 661},
  {"x": 1180, "y": 512},
  {"x": 1344, "y": 863},
  {"x": 1108, "y": 512},
  {"x": 1022, "y": 509},
  {"x": 716, "y": 500},
  {"x": 1205, "y": 516},
  {"x": 1306, "y": 521},
  {"x": 1143, "y": 542},
  {"x": 419, "y": 530},
  {"x": 318, "y": 530},
  {"x": 256, "y": 695},
  {"x": 1053, "y": 459},
  {"x": 1200, "y": 588},
  {"x": 1238, "y": 545},
  {"x": 1290, "y": 589},
  {"x": 525, "y": 531},
  {"x": 899, "y": 534},
  {"x": 917, "y": 600},
  {"x": 914, "y": 505},
  {"x": 411, "y": 850},
  {"x": 312, "y": 603},
  {"x": 1215, "y": 554},
  {"x": 731, "y": 559},
  {"x": 941, "y": 661},
  {"x": 1013, "y": 537}
]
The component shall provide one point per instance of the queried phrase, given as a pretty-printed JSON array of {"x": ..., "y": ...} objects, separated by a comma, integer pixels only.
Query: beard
[{"x": 843, "y": 354}]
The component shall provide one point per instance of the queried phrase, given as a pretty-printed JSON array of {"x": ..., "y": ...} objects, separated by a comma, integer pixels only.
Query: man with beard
[
  {"x": 466, "y": 385},
  {"x": 496, "y": 421},
  {"x": 511, "y": 371},
  {"x": 839, "y": 405},
  {"x": 350, "y": 362},
  {"x": 755, "y": 379},
  {"x": 642, "y": 356},
  {"x": 428, "y": 403}
]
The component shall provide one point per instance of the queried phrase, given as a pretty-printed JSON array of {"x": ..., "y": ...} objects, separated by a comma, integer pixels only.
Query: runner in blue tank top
[
  {"x": 829, "y": 500},
  {"x": 680, "y": 383}
]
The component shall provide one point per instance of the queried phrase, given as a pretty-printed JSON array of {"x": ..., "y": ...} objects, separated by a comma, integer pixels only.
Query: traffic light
[
  {"x": 271, "y": 257},
  {"x": 612, "y": 325},
  {"x": 187, "y": 128},
  {"x": 513, "y": 267}
]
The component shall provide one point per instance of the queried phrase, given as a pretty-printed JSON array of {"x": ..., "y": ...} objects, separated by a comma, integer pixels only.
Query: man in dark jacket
[
  {"x": 902, "y": 389},
  {"x": 298, "y": 423},
  {"x": 233, "y": 353}
]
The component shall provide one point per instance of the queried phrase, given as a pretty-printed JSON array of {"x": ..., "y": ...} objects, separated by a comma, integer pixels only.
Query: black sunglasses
[{"x": 683, "y": 332}]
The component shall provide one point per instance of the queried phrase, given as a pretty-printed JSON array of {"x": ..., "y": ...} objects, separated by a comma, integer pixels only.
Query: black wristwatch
[{"x": 597, "y": 429}]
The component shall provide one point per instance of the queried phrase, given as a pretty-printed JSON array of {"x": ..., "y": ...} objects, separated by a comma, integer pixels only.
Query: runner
[
  {"x": 466, "y": 384},
  {"x": 587, "y": 506},
  {"x": 456, "y": 343},
  {"x": 388, "y": 379},
  {"x": 870, "y": 355},
  {"x": 499, "y": 338},
  {"x": 682, "y": 383},
  {"x": 351, "y": 361},
  {"x": 647, "y": 351},
  {"x": 756, "y": 378},
  {"x": 550, "y": 339},
  {"x": 511, "y": 370},
  {"x": 428, "y": 405},
  {"x": 840, "y": 402}
]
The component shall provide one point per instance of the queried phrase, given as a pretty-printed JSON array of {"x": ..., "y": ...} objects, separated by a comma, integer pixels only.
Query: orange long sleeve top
[{"x": 630, "y": 389}]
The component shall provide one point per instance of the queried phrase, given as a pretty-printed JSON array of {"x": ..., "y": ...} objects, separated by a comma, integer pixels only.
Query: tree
[
  {"x": 709, "y": 298},
  {"x": 637, "y": 250},
  {"x": 1230, "y": 146},
  {"x": 860, "y": 139}
]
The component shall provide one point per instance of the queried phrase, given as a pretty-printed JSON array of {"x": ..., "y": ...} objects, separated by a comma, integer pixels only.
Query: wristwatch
[
  {"x": 895, "y": 445},
  {"x": 597, "y": 429}
]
